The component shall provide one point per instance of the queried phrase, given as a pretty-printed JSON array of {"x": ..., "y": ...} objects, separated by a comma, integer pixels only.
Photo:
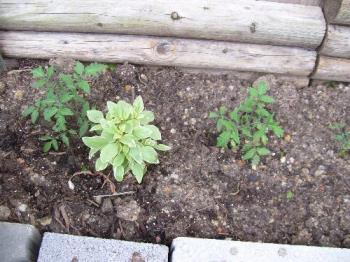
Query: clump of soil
[{"x": 300, "y": 194}]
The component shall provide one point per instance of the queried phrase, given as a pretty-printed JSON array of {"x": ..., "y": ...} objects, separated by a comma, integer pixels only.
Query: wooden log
[
  {"x": 337, "y": 11},
  {"x": 158, "y": 51},
  {"x": 298, "y": 2},
  {"x": 337, "y": 42},
  {"x": 248, "y": 21},
  {"x": 332, "y": 68}
]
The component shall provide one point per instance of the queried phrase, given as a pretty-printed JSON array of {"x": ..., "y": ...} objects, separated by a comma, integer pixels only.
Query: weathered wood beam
[
  {"x": 337, "y": 11},
  {"x": 332, "y": 68},
  {"x": 159, "y": 51},
  {"x": 248, "y": 21},
  {"x": 337, "y": 42}
]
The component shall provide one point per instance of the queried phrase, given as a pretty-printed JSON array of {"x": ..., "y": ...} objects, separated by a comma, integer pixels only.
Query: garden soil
[{"x": 300, "y": 194}]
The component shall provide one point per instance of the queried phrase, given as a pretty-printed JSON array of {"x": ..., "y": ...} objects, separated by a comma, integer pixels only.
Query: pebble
[
  {"x": 19, "y": 95},
  {"x": 193, "y": 121},
  {"x": 283, "y": 159},
  {"x": 107, "y": 206},
  {"x": 173, "y": 130},
  {"x": 22, "y": 207},
  {"x": 5, "y": 212},
  {"x": 2, "y": 87},
  {"x": 320, "y": 171},
  {"x": 45, "y": 221},
  {"x": 128, "y": 210}
]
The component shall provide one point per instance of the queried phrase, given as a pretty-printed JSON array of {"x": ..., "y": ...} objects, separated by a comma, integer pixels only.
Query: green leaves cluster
[
  {"x": 63, "y": 102},
  {"x": 247, "y": 126},
  {"x": 342, "y": 135},
  {"x": 125, "y": 139}
]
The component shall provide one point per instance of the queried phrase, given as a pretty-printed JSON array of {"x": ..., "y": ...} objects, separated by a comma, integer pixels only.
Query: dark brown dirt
[{"x": 197, "y": 190}]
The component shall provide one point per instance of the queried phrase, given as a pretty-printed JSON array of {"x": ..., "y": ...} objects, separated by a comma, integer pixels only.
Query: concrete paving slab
[
  {"x": 18, "y": 242},
  {"x": 210, "y": 250},
  {"x": 60, "y": 247}
]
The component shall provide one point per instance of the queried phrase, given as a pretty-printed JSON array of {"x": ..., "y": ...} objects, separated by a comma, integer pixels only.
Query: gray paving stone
[
  {"x": 18, "y": 242},
  {"x": 60, "y": 247},
  {"x": 209, "y": 250}
]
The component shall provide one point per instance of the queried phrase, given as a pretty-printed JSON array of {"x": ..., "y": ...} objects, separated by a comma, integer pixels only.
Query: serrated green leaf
[
  {"x": 94, "y": 69},
  {"x": 250, "y": 154},
  {"x": 47, "y": 146},
  {"x": 54, "y": 144},
  {"x": 235, "y": 116},
  {"x": 50, "y": 71},
  {"x": 253, "y": 92},
  {"x": 277, "y": 130},
  {"x": 262, "y": 88},
  {"x": 66, "y": 111},
  {"x": 28, "y": 111},
  {"x": 213, "y": 115},
  {"x": 223, "y": 139},
  {"x": 66, "y": 97},
  {"x": 50, "y": 112},
  {"x": 263, "y": 151},
  {"x": 45, "y": 138},
  {"x": 34, "y": 116},
  {"x": 38, "y": 72},
  {"x": 255, "y": 160},
  {"x": 67, "y": 80},
  {"x": 84, "y": 127},
  {"x": 79, "y": 68},
  {"x": 39, "y": 83},
  {"x": 65, "y": 139},
  {"x": 84, "y": 85},
  {"x": 267, "y": 99},
  {"x": 95, "y": 116}
]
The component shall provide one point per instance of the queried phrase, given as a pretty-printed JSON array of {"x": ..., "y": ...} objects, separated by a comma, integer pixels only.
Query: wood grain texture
[
  {"x": 158, "y": 51},
  {"x": 337, "y": 42},
  {"x": 298, "y": 2},
  {"x": 337, "y": 11},
  {"x": 332, "y": 68},
  {"x": 248, "y": 21}
]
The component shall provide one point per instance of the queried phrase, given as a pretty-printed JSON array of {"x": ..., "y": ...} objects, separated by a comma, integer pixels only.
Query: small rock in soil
[
  {"x": 45, "y": 221},
  {"x": 63, "y": 64},
  {"x": 11, "y": 64},
  {"x": 5, "y": 212},
  {"x": 128, "y": 211},
  {"x": 107, "y": 206},
  {"x": 37, "y": 179},
  {"x": 22, "y": 208},
  {"x": 2, "y": 88}
]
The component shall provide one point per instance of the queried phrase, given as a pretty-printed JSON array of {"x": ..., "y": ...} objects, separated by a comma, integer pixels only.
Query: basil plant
[{"x": 125, "y": 139}]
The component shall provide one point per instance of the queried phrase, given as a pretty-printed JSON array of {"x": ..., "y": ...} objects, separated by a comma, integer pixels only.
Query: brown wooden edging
[
  {"x": 159, "y": 51},
  {"x": 248, "y": 21}
]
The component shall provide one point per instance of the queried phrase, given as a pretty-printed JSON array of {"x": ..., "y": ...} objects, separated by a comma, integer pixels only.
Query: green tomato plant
[
  {"x": 64, "y": 105},
  {"x": 342, "y": 136},
  {"x": 247, "y": 127},
  {"x": 126, "y": 140}
]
